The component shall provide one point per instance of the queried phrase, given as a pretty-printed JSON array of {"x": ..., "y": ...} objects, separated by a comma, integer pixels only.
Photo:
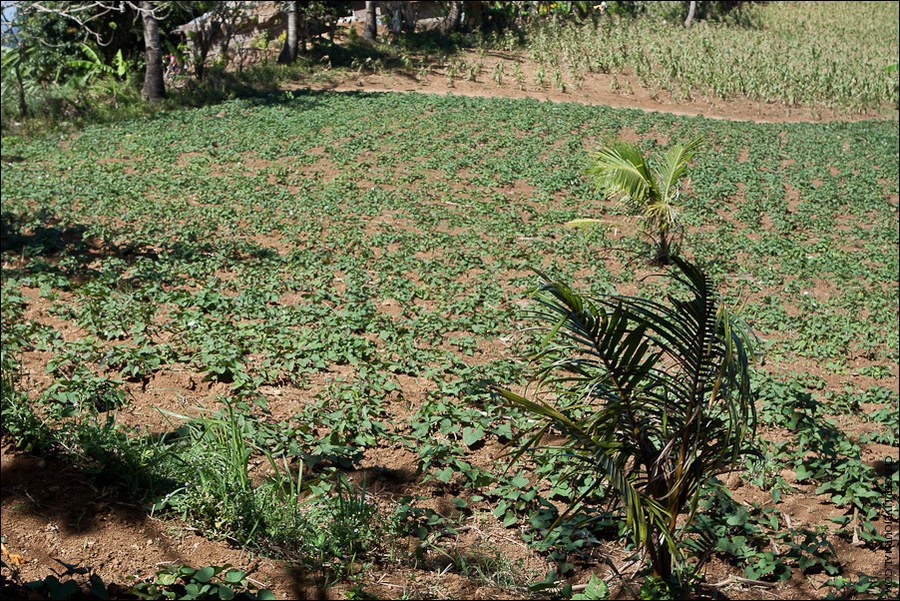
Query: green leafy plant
[
  {"x": 862, "y": 584},
  {"x": 184, "y": 261},
  {"x": 209, "y": 582},
  {"x": 24, "y": 427},
  {"x": 648, "y": 189},
  {"x": 94, "y": 65},
  {"x": 95, "y": 68},
  {"x": 596, "y": 589},
  {"x": 653, "y": 399}
]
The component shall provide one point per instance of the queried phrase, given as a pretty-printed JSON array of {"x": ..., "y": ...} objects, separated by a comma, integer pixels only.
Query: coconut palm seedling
[
  {"x": 653, "y": 400},
  {"x": 649, "y": 189}
]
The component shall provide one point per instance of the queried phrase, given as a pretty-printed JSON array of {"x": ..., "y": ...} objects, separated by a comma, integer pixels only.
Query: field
[{"x": 259, "y": 334}]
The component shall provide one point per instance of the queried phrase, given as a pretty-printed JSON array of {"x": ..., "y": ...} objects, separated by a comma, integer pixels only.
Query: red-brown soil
[{"x": 51, "y": 513}]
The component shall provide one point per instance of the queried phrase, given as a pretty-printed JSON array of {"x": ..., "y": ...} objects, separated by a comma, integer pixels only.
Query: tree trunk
[
  {"x": 454, "y": 17},
  {"x": 692, "y": 10},
  {"x": 371, "y": 28},
  {"x": 154, "y": 87},
  {"x": 201, "y": 51},
  {"x": 20, "y": 87},
  {"x": 662, "y": 568},
  {"x": 289, "y": 51},
  {"x": 409, "y": 13}
]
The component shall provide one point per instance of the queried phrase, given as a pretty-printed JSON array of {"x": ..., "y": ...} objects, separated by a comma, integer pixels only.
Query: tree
[
  {"x": 692, "y": 10},
  {"x": 322, "y": 17},
  {"x": 154, "y": 88},
  {"x": 453, "y": 19},
  {"x": 66, "y": 25},
  {"x": 651, "y": 191},
  {"x": 14, "y": 51},
  {"x": 406, "y": 12},
  {"x": 208, "y": 27},
  {"x": 370, "y": 30},
  {"x": 653, "y": 400},
  {"x": 292, "y": 20}
]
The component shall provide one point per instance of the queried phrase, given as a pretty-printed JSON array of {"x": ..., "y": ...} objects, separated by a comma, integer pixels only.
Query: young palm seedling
[
  {"x": 649, "y": 190},
  {"x": 653, "y": 400}
]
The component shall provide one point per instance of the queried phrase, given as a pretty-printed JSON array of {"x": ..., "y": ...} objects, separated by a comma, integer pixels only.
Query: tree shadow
[
  {"x": 392, "y": 56},
  {"x": 74, "y": 504},
  {"x": 46, "y": 244}
]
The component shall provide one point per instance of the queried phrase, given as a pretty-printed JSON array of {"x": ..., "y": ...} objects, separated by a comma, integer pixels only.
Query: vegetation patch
[{"x": 261, "y": 342}]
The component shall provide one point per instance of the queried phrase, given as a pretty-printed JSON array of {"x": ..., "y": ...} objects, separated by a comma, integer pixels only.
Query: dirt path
[{"x": 622, "y": 90}]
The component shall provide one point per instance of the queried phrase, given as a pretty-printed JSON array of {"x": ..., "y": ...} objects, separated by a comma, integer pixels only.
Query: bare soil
[
  {"x": 51, "y": 513},
  {"x": 623, "y": 90}
]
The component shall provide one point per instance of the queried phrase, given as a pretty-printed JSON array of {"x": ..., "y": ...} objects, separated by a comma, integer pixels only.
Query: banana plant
[
  {"x": 649, "y": 189},
  {"x": 95, "y": 67},
  {"x": 653, "y": 399}
]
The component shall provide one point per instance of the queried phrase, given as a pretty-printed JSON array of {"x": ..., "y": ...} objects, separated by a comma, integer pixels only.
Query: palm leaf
[
  {"x": 620, "y": 168},
  {"x": 598, "y": 452},
  {"x": 661, "y": 392},
  {"x": 672, "y": 169}
]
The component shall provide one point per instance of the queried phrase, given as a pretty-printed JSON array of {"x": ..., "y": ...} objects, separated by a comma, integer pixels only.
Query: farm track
[{"x": 624, "y": 90}]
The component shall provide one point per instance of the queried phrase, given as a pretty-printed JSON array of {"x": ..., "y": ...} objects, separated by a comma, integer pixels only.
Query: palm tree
[
  {"x": 154, "y": 86},
  {"x": 648, "y": 190},
  {"x": 653, "y": 399},
  {"x": 370, "y": 29}
]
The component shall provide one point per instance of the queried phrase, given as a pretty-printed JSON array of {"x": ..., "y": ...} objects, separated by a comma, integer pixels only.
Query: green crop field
[
  {"x": 809, "y": 53},
  {"x": 324, "y": 282},
  {"x": 273, "y": 344}
]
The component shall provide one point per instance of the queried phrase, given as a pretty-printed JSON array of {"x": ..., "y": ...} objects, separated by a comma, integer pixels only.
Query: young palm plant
[
  {"x": 653, "y": 399},
  {"x": 647, "y": 189}
]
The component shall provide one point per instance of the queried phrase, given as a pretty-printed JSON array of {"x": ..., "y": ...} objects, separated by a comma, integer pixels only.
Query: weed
[{"x": 210, "y": 582}]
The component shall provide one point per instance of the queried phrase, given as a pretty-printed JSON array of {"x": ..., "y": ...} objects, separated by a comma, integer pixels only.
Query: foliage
[
  {"x": 654, "y": 400},
  {"x": 648, "y": 189},
  {"x": 210, "y": 582},
  {"x": 596, "y": 589},
  {"x": 344, "y": 284},
  {"x": 94, "y": 66},
  {"x": 179, "y": 582},
  {"x": 863, "y": 584},
  {"x": 321, "y": 520},
  {"x": 750, "y": 536},
  {"x": 757, "y": 52},
  {"x": 50, "y": 42},
  {"x": 212, "y": 23},
  {"x": 324, "y": 14},
  {"x": 893, "y": 69},
  {"x": 24, "y": 428}
]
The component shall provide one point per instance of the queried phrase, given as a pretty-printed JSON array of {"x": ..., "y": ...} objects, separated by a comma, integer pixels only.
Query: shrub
[
  {"x": 653, "y": 399},
  {"x": 648, "y": 189}
]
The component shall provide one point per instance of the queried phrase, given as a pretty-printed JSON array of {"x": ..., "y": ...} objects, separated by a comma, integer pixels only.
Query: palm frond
[
  {"x": 653, "y": 397},
  {"x": 620, "y": 169},
  {"x": 674, "y": 163},
  {"x": 661, "y": 215}
]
